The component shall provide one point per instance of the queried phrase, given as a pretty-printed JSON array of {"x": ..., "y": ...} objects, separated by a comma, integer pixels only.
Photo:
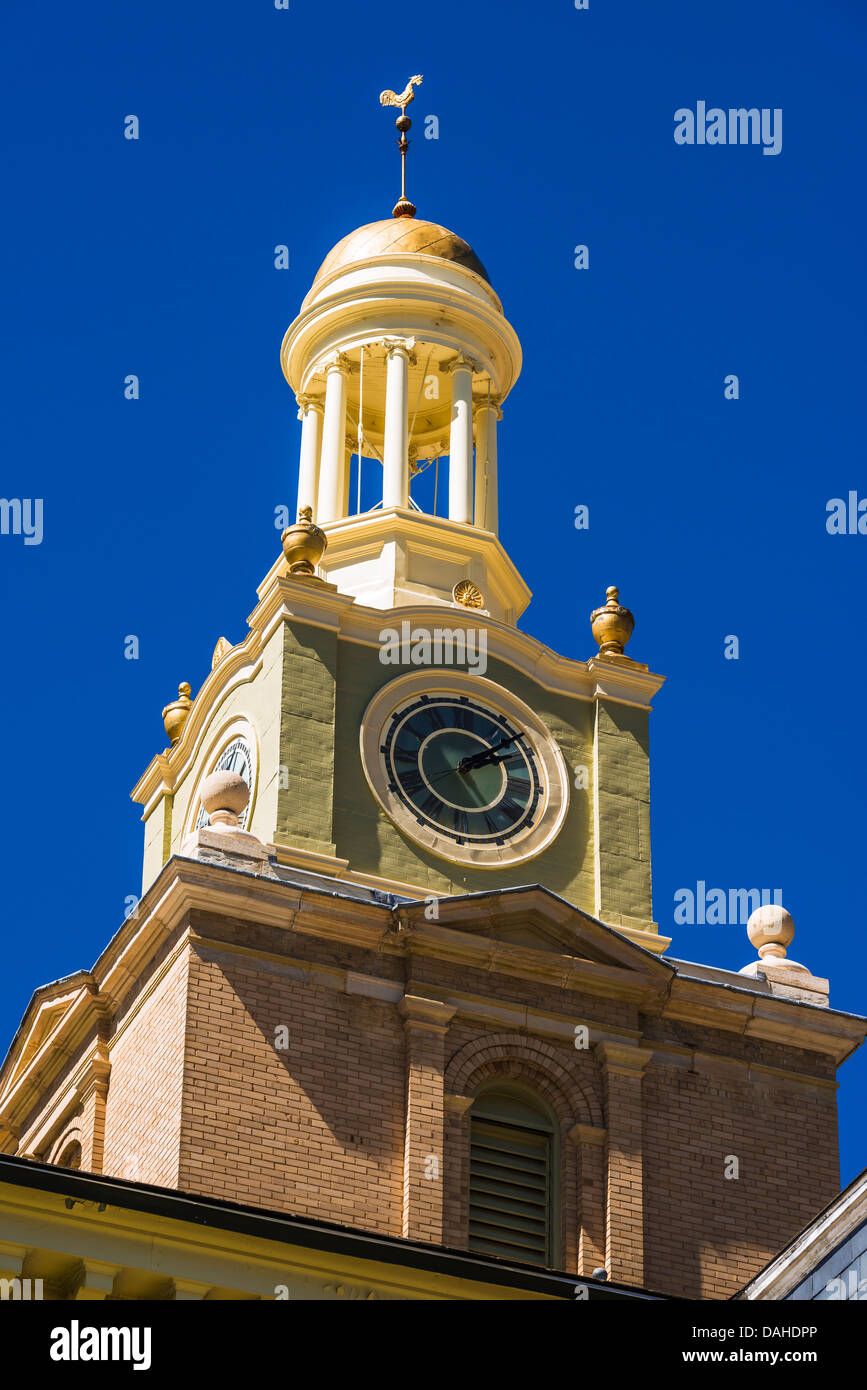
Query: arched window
[
  {"x": 511, "y": 1196},
  {"x": 71, "y": 1156},
  {"x": 238, "y": 758}
]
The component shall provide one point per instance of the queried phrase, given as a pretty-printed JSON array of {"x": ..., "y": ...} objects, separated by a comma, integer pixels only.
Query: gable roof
[{"x": 535, "y": 916}]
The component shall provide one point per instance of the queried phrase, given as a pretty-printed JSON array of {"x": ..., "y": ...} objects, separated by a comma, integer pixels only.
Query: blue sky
[{"x": 261, "y": 127}]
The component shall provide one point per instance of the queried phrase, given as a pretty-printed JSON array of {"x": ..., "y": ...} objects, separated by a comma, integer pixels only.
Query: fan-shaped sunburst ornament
[{"x": 468, "y": 594}]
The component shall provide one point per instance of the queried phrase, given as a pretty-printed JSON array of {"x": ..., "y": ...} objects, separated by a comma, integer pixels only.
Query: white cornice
[
  {"x": 303, "y": 597},
  {"x": 558, "y": 674},
  {"x": 619, "y": 678},
  {"x": 324, "y": 287},
  {"x": 378, "y": 298}
]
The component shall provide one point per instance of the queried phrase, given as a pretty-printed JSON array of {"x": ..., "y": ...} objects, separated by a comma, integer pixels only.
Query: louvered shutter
[{"x": 510, "y": 1191}]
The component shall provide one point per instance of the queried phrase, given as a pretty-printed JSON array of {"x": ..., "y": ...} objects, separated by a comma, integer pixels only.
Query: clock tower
[
  {"x": 395, "y": 726},
  {"x": 395, "y": 966}
]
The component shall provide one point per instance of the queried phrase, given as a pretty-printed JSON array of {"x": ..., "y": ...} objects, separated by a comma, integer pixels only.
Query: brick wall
[
  {"x": 707, "y": 1233},
  {"x": 143, "y": 1107},
  {"x": 340, "y": 1122},
  {"x": 315, "y": 1128}
]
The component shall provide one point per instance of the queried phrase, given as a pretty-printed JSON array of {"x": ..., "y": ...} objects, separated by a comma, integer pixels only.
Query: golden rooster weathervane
[{"x": 403, "y": 207}]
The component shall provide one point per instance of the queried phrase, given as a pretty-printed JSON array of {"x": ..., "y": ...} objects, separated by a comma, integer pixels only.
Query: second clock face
[{"x": 461, "y": 769}]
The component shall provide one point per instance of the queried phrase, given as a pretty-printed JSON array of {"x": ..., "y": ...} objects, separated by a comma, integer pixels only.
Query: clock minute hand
[{"x": 487, "y": 755}]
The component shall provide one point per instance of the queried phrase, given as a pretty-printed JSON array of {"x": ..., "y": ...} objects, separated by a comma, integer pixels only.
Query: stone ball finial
[
  {"x": 224, "y": 795},
  {"x": 612, "y": 624},
  {"x": 175, "y": 714},
  {"x": 304, "y": 543},
  {"x": 771, "y": 930}
]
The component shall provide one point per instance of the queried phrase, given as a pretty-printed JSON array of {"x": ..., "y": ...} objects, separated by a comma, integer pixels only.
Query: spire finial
[
  {"x": 612, "y": 624},
  {"x": 403, "y": 207},
  {"x": 175, "y": 714},
  {"x": 304, "y": 544}
]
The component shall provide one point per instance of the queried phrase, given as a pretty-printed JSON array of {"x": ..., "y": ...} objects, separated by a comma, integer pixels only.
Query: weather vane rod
[{"x": 403, "y": 207}]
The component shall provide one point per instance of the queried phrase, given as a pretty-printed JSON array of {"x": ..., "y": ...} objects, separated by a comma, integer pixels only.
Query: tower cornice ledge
[
  {"x": 303, "y": 597},
  {"x": 208, "y": 904}
]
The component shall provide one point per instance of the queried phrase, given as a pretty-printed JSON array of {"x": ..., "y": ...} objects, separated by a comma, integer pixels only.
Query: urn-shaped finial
[
  {"x": 612, "y": 624},
  {"x": 304, "y": 543},
  {"x": 175, "y": 714}
]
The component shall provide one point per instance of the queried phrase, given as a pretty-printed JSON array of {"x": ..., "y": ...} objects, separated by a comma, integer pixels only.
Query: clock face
[
  {"x": 462, "y": 769},
  {"x": 466, "y": 770}
]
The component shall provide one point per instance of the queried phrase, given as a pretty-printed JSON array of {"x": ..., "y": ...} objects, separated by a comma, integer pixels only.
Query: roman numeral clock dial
[
  {"x": 477, "y": 780},
  {"x": 462, "y": 770}
]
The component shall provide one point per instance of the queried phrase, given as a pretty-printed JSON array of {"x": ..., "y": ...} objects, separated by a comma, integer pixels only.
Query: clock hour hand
[{"x": 487, "y": 755}]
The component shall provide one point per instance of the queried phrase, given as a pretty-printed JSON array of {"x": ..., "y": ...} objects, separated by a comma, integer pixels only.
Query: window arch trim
[{"x": 239, "y": 728}]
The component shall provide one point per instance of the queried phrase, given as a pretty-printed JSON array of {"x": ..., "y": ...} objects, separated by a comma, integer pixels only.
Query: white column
[
  {"x": 487, "y": 415},
  {"x": 395, "y": 453},
  {"x": 461, "y": 444},
  {"x": 344, "y": 479},
  {"x": 333, "y": 442},
  {"x": 310, "y": 415}
]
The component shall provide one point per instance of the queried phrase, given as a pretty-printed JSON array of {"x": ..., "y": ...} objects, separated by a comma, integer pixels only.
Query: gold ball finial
[
  {"x": 304, "y": 543},
  {"x": 175, "y": 714},
  {"x": 612, "y": 624}
]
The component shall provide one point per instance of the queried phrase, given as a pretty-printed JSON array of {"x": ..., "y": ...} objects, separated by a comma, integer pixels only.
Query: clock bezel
[{"x": 553, "y": 803}]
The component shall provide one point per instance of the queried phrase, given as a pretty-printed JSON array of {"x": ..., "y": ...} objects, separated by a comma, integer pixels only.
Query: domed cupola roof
[{"x": 401, "y": 236}]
